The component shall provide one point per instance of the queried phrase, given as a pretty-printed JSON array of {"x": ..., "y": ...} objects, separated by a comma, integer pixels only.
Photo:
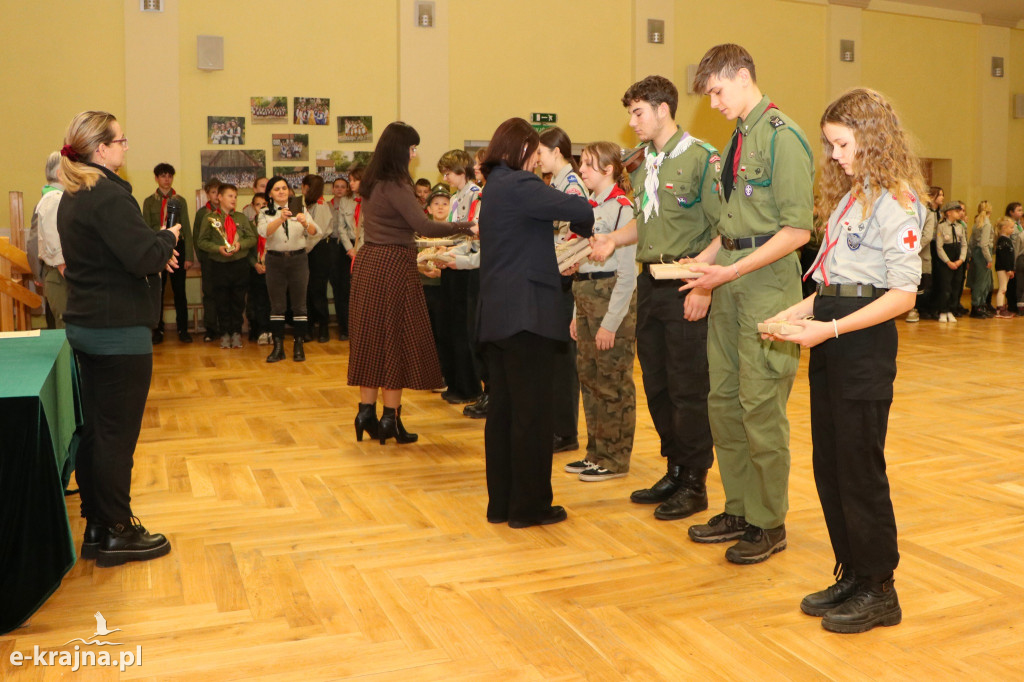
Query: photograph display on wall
[
  {"x": 268, "y": 109},
  {"x": 313, "y": 111},
  {"x": 225, "y": 130},
  {"x": 240, "y": 167},
  {"x": 292, "y": 174},
  {"x": 290, "y": 147},
  {"x": 355, "y": 129},
  {"x": 332, "y": 164}
]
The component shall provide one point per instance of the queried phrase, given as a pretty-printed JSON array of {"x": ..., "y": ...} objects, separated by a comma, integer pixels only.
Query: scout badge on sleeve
[{"x": 909, "y": 239}]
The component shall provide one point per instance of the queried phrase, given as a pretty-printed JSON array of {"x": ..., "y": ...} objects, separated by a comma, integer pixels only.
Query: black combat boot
[
  {"x": 820, "y": 603},
  {"x": 277, "y": 354},
  {"x": 690, "y": 498},
  {"x": 873, "y": 603},
  {"x": 666, "y": 486}
]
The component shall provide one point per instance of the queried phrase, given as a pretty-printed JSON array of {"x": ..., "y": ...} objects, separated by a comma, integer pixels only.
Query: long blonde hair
[
  {"x": 884, "y": 156},
  {"x": 604, "y": 154},
  {"x": 984, "y": 211},
  {"x": 88, "y": 130}
]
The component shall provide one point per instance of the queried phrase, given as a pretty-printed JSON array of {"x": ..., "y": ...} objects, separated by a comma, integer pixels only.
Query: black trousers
[
  {"x": 851, "y": 391},
  {"x": 316, "y": 290},
  {"x": 673, "y": 355},
  {"x": 177, "y": 278},
  {"x": 564, "y": 377},
  {"x": 942, "y": 286},
  {"x": 257, "y": 307},
  {"x": 432, "y": 295},
  {"x": 453, "y": 345},
  {"x": 230, "y": 282},
  {"x": 114, "y": 392},
  {"x": 519, "y": 431},
  {"x": 287, "y": 278},
  {"x": 209, "y": 303},
  {"x": 956, "y": 287},
  {"x": 340, "y": 277},
  {"x": 473, "y": 303}
]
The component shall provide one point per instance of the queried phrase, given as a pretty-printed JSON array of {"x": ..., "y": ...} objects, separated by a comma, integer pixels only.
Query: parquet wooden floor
[{"x": 301, "y": 554}]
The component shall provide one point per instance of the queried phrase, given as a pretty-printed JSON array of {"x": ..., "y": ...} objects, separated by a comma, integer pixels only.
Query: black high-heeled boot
[
  {"x": 391, "y": 427},
  {"x": 366, "y": 421},
  {"x": 277, "y": 354}
]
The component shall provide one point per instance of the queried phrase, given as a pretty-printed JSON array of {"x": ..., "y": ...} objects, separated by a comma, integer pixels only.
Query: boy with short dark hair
[
  {"x": 423, "y": 192},
  {"x": 154, "y": 211},
  {"x": 210, "y": 188},
  {"x": 226, "y": 235}
]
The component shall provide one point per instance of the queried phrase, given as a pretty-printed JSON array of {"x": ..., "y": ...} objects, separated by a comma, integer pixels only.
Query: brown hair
[
  {"x": 556, "y": 138},
  {"x": 513, "y": 143},
  {"x": 315, "y": 191},
  {"x": 457, "y": 161},
  {"x": 227, "y": 187},
  {"x": 884, "y": 158},
  {"x": 87, "y": 131},
  {"x": 213, "y": 184},
  {"x": 723, "y": 61},
  {"x": 604, "y": 154},
  {"x": 654, "y": 90}
]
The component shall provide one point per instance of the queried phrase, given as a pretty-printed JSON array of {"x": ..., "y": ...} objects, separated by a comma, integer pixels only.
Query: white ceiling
[{"x": 998, "y": 12}]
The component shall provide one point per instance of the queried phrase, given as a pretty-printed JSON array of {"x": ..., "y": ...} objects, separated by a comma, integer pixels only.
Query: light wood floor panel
[{"x": 299, "y": 553}]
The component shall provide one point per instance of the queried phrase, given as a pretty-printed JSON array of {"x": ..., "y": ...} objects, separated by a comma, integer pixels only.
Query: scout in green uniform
[
  {"x": 154, "y": 209},
  {"x": 753, "y": 271},
  {"x": 677, "y": 209},
  {"x": 211, "y": 188}
]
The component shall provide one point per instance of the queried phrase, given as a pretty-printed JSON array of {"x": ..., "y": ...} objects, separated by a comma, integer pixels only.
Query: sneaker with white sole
[
  {"x": 579, "y": 466},
  {"x": 264, "y": 339},
  {"x": 913, "y": 316},
  {"x": 599, "y": 473}
]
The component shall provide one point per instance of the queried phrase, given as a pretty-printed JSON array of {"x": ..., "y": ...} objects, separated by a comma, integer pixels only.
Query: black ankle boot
[
  {"x": 129, "y": 541},
  {"x": 325, "y": 334},
  {"x": 821, "y": 602},
  {"x": 660, "y": 491},
  {"x": 690, "y": 498},
  {"x": 874, "y": 602},
  {"x": 391, "y": 427},
  {"x": 366, "y": 420},
  {"x": 298, "y": 354},
  {"x": 277, "y": 354},
  {"x": 93, "y": 538}
]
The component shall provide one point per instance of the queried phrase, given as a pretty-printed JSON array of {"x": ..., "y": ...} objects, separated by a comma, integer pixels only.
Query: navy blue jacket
[
  {"x": 113, "y": 258},
  {"x": 520, "y": 287}
]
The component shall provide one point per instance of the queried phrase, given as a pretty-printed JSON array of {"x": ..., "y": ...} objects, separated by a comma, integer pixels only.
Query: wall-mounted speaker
[{"x": 210, "y": 53}]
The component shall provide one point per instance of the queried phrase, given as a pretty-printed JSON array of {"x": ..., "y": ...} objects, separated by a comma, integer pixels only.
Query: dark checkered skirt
[{"x": 390, "y": 342}]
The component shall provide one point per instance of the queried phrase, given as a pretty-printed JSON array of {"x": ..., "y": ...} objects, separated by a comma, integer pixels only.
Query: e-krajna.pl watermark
[{"x": 77, "y": 659}]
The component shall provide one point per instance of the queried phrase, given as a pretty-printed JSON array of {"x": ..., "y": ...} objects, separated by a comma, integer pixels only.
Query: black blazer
[{"x": 520, "y": 287}]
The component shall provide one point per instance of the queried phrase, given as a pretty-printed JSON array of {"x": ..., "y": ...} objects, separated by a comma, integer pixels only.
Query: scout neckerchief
[
  {"x": 616, "y": 194},
  {"x": 732, "y": 157},
  {"x": 830, "y": 243},
  {"x": 163, "y": 203},
  {"x": 473, "y": 201},
  {"x": 229, "y": 229},
  {"x": 652, "y": 164},
  {"x": 284, "y": 221},
  {"x": 50, "y": 188}
]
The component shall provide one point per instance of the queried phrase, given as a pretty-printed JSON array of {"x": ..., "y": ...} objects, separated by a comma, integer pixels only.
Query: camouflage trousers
[{"x": 606, "y": 376}]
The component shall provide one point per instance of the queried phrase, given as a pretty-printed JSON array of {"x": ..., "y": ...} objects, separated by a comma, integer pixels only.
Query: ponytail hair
[
  {"x": 87, "y": 131},
  {"x": 556, "y": 138},
  {"x": 604, "y": 154}
]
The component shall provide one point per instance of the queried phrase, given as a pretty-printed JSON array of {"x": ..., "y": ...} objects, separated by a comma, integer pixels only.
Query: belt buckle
[{"x": 730, "y": 243}]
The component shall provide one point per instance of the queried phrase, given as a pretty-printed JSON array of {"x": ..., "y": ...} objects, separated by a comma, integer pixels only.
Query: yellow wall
[
  {"x": 571, "y": 57},
  {"x": 58, "y": 59}
]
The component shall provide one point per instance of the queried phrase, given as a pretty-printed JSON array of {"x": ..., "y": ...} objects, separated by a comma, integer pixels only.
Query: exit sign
[{"x": 545, "y": 118}]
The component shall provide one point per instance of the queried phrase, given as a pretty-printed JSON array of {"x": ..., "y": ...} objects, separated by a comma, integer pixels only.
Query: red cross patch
[{"x": 909, "y": 239}]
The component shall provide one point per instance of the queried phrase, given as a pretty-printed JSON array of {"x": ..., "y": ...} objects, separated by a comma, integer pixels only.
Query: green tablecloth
[{"x": 40, "y": 411}]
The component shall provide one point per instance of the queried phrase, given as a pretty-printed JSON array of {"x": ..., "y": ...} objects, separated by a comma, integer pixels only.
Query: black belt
[
  {"x": 731, "y": 244},
  {"x": 584, "y": 276},
  {"x": 850, "y": 290},
  {"x": 286, "y": 253},
  {"x": 646, "y": 267}
]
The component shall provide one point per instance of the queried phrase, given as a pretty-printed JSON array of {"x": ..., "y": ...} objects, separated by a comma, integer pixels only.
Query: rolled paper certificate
[
  {"x": 425, "y": 243},
  {"x": 673, "y": 271},
  {"x": 778, "y": 328}
]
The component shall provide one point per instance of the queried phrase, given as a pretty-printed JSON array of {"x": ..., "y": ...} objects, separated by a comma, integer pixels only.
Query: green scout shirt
[
  {"x": 151, "y": 214},
  {"x": 687, "y": 217},
  {"x": 774, "y": 176},
  {"x": 211, "y": 237}
]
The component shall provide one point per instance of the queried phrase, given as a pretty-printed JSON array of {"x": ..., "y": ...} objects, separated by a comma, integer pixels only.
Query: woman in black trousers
[
  {"x": 521, "y": 325},
  {"x": 113, "y": 270}
]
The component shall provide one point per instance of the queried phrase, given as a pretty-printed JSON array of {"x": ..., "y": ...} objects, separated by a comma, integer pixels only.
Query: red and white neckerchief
[
  {"x": 163, "y": 204},
  {"x": 819, "y": 264}
]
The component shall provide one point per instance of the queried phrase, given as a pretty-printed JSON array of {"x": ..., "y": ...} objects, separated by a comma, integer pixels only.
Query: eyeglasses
[{"x": 121, "y": 141}]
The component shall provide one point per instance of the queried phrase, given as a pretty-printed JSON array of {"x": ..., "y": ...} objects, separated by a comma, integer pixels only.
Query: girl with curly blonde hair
[{"x": 867, "y": 272}]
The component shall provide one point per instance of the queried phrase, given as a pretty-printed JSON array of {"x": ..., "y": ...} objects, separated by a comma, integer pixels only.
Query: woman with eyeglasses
[{"x": 113, "y": 270}]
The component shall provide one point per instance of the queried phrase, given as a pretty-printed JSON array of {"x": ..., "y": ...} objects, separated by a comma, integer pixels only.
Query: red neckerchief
[
  {"x": 210, "y": 208},
  {"x": 229, "y": 229},
  {"x": 614, "y": 194},
  {"x": 473, "y": 206},
  {"x": 261, "y": 247},
  {"x": 820, "y": 263},
  {"x": 739, "y": 145},
  {"x": 359, "y": 206},
  {"x": 163, "y": 204}
]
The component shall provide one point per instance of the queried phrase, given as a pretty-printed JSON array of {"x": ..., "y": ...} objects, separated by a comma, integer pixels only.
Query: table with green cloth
[{"x": 40, "y": 412}]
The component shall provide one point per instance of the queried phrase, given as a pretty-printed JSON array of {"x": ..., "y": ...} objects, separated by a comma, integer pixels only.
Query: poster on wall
[
  {"x": 239, "y": 167},
  {"x": 331, "y": 164},
  {"x": 225, "y": 130},
  {"x": 293, "y": 175},
  {"x": 268, "y": 109},
  {"x": 290, "y": 147},
  {"x": 355, "y": 129},
  {"x": 312, "y": 111}
]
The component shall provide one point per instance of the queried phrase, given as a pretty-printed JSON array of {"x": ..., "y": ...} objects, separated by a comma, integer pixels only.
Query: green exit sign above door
[{"x": 545, "y": 118}]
